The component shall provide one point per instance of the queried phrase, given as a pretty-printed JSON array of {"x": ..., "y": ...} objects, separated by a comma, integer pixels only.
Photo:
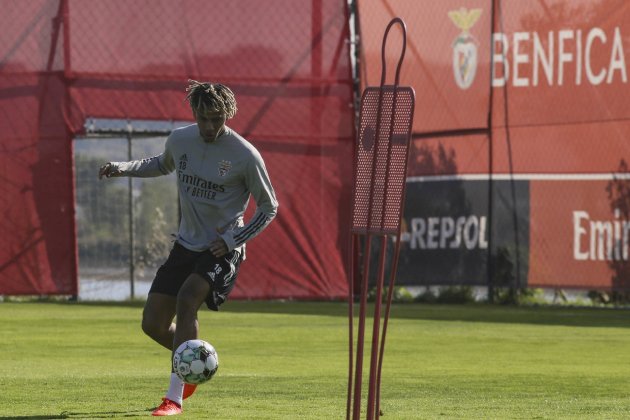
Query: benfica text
[{"x": 568, "y": 56}]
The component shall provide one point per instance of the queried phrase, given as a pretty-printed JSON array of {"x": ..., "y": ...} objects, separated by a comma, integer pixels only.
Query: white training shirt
[{"x": 215, "y": 180}]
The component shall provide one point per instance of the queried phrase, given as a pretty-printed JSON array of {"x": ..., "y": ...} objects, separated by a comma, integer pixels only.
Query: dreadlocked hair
[{"x": 205, "y": 97}]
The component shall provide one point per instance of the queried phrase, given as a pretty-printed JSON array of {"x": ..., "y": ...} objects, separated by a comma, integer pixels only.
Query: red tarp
[{"x": 288, "y": 64}]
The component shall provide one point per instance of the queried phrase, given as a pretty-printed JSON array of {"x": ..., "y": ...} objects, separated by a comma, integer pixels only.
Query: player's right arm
[{"x": 162, "y": 164}]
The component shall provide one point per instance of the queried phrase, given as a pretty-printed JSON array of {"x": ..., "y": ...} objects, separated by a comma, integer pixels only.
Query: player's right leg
[
  {"x": 157, "y": 323},
  {"x": 157, "y": 318},
  {"x": 159, "y": 311},
  {"x": 161, "y": 305}
]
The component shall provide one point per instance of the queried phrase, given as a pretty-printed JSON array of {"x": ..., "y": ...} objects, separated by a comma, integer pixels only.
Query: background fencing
[
  {"x": 125, "y": 226},
  {"x": 518, "y": 173}
]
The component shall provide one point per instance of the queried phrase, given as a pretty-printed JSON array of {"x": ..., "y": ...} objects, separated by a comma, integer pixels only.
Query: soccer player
[{"x": 217, "y": 171}]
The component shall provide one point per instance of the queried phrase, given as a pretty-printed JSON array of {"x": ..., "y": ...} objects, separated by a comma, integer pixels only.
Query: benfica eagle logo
[
  {"x": 224, "y": 167},
  {"x": 465, "y": 46}
]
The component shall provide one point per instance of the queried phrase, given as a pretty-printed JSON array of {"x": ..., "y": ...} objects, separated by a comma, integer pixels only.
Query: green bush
[
  {"x": 399, "y": 295},
  {"x": 426, "y": 297},
  {"x": 456, "y": 294}
]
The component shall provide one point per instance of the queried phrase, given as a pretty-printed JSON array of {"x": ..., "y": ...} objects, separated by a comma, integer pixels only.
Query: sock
[{"x": 175, "y": 389}]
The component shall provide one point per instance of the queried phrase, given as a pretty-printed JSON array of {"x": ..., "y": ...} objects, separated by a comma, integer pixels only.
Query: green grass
[{"x": 289, "y": 361}]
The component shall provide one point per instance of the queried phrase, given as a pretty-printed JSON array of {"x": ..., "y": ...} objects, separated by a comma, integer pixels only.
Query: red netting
[{"x": 288, "y": 64}]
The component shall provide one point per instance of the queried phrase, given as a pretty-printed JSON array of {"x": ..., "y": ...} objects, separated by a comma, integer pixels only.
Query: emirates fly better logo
[{"x": 464, "y": 46}]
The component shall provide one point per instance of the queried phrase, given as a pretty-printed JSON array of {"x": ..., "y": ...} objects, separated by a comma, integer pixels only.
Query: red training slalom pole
[{"x": 380, "y": 166}]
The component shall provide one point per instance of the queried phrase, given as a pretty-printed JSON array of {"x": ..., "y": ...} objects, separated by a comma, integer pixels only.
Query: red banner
[
  {"x": 523, "y": 92},
  {"x": 583, "y": 239}
]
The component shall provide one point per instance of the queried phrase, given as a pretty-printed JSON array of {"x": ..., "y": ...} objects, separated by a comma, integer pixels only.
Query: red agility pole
[{"x": 380, "y": 169}]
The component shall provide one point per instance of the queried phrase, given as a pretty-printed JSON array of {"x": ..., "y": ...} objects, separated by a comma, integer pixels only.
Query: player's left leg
[
  {"x": 211, "y": 282},
  {"x": 189, "y": 299}
]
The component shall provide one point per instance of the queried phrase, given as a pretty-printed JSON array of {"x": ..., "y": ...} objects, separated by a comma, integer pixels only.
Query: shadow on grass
[
  {"x": 474, "y": 312},
  {"x": 86, "y": 415},
  {"x": 43, "y": 417}
]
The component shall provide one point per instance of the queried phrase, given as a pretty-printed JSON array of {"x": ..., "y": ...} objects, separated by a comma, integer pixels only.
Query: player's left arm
[{"x": 259, "y": 185}]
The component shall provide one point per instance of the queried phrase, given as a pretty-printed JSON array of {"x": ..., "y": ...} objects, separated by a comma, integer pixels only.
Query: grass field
[{"x": 289, "y": 361}]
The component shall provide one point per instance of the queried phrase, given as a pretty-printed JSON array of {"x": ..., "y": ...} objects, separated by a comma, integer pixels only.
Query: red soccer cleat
[
  {"x": 167, "y": 408},
  {"x": 189, "y": 389}
]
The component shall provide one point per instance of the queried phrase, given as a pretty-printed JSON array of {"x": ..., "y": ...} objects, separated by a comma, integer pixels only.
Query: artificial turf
[{"x": 288, "y": 360}]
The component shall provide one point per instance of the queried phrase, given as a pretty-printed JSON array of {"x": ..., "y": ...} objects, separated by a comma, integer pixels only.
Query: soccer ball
[{"x": 195, "y": 361}]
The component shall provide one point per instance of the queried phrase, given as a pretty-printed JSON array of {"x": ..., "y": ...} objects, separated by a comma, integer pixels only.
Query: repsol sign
[
  {"x": 462, "y": 232},
  {"x": 447, "y": 234}
]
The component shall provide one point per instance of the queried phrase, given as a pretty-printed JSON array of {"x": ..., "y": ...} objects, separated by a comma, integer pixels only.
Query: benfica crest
[
  {"x": 464, "y": 46},
  {"x": 224, "y": 167}
]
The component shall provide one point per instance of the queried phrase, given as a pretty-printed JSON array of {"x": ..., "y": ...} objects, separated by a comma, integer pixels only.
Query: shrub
[{"x": 456, "y": 294}]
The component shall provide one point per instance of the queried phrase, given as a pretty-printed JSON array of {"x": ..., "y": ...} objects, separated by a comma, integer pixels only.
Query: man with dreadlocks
[{"x": 217, "y": 170}]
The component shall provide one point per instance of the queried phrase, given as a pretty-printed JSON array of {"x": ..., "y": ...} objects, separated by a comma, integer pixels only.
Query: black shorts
[{"x": 219, "y": 272}]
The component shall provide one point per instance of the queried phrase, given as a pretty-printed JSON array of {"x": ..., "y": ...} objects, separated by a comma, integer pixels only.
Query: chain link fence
[{"x": 123, "y": 224}]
